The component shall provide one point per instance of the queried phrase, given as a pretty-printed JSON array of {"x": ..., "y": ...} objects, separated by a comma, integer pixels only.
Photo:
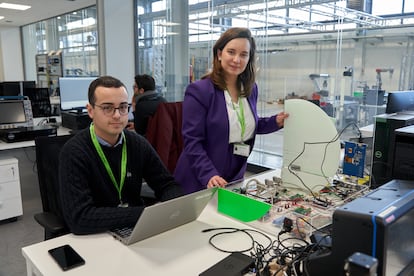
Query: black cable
[
  {"x": 257, "y": 250},
  {"x": 232, "y": 230},
  {"x": 335, "y": 138}
]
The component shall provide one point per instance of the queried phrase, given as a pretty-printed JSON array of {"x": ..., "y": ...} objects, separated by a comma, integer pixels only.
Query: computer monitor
[
  {"x": 74, "y": 92},
  {"x": 12, "y": 112},
  {"x": 400, "y": 101},
  {"x": 378, "y": 224},
  {"x": 10, "y": 88},
  {"x": 28, "y": 84},
  {"x": 40, "y": 101}
]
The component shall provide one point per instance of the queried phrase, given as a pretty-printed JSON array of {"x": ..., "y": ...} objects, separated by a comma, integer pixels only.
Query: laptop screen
[{"x": 168, "y": 215}]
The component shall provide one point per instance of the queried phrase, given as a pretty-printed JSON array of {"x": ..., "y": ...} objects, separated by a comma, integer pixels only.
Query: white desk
[{"x": 181, "y": 251}]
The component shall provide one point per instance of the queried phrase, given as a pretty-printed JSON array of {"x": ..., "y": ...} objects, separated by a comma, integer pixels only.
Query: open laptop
[{"x": 165, "y": 216}]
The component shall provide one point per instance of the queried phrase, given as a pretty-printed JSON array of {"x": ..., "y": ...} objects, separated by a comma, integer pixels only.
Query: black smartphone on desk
[{"x": 66, "y": 257}]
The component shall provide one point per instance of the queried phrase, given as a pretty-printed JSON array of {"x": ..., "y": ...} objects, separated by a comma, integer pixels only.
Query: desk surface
[{"x": 181, "y": 251}]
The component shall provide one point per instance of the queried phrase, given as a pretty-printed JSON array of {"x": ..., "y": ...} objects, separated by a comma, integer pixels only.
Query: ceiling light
[
  {"x": 1, "y": 17},
  {"x": 14, "y": 6},
  {"x": 168, "y": 24}
]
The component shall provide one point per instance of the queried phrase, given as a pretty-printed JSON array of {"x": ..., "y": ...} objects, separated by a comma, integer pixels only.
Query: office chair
[
  {"x": 164, "y": 132},
  {"x": 47, "y": 158}
]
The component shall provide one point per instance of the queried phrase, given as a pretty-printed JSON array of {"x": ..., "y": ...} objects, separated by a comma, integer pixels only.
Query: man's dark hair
[
  {"x": 145, "y": 81},
  {"x": 105, "y": 81}
]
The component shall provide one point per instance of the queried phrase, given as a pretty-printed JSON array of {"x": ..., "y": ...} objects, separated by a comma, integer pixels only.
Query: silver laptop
[{"x": 165, "y": 216}]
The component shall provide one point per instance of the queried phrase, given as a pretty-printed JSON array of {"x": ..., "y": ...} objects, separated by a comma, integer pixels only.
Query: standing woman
[{"x": 220, "y": 118}]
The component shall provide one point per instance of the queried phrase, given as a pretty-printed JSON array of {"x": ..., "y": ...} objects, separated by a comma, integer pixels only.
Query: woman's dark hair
[
  {"x": 247, "y": 78},
  {"x": 105, "y": 81}
]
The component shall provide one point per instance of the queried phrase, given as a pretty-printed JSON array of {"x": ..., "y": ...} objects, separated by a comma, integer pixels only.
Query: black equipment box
[
  {"x": 383, "y": 149},
  {"x": 75, "y": 120},
  {"x": 19, "y": 134}
]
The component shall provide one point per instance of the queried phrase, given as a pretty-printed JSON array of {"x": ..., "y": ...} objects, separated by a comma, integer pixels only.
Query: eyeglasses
[{"x": 109, "y": 110}]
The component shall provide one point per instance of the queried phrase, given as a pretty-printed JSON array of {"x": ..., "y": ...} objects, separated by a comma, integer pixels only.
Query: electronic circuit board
[{"x": 307, "y": 210}]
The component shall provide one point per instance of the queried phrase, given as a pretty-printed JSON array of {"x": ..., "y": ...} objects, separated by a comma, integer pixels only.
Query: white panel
[{"x": 310, "y": 144}]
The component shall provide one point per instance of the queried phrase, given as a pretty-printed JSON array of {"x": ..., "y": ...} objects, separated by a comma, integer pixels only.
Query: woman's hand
[
  {"x": 216, "y": 181},
  {"x": 280, "y": 118}
]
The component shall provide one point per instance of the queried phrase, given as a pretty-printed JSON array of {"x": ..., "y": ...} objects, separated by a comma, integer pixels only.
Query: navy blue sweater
[{"x": 88, "y": 196}]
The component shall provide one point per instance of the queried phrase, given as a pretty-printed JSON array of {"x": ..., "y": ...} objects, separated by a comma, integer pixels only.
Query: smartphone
[
  {"x": 66, "y": 257},
  {"x": 235, "y": 264}
]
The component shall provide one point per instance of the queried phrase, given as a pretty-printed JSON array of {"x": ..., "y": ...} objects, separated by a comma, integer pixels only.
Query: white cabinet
[{"x": 10, "y": 194}]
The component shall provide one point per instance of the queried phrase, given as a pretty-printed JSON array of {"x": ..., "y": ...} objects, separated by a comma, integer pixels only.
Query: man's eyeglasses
[{"x": 109, "y": 110}]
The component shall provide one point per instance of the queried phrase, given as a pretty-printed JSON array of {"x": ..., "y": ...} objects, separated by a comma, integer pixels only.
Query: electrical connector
[{"x": 287, "y": 225}]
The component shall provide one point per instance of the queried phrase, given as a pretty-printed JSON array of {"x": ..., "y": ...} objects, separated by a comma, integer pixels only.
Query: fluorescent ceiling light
[
  {"x": 168, "y": 24},
  {"x": 1, "y": 17},
  {"x": 5, "y": 5},
  {"x": 81, "y": 23}
]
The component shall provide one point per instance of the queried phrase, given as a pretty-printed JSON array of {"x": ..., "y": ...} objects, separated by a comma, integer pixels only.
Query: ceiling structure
[{"x": 40, "y": 10}]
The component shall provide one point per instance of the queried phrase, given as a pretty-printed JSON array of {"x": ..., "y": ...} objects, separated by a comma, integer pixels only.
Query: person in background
[
  {"x": 220, "y": 117},
  {"x": 144, "y": 102},
  {"x": 101, "y": 168}
]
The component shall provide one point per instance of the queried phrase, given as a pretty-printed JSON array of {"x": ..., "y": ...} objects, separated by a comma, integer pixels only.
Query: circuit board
[{"x": 306, "y": 210}]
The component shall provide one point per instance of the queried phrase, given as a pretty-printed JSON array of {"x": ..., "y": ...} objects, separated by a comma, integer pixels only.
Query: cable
[
  {"x": 257, "y": 250},
  {"x": 334, "y": 139},
  {"x": 231, "y": 230}
]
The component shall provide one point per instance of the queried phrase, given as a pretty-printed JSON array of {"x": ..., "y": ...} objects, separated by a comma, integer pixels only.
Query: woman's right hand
[{"x": 216, "y": 181}]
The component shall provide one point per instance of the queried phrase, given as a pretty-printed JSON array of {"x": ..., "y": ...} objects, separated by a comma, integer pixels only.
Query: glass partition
[
  {"x": 345, "y": 58},
  {"x": 73, "y": 34}
]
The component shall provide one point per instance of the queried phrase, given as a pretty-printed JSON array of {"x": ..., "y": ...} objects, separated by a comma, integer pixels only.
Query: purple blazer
[{"x": 205, "y": 130}]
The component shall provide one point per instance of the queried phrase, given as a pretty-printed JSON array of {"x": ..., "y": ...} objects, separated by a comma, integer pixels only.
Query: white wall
[{"x": 11, "y": 61}]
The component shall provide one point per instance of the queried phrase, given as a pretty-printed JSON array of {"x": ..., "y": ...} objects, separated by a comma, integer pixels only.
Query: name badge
[{"x": 241, "y": 149}]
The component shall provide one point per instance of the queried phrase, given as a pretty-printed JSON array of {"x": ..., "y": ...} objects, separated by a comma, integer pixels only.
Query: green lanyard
[
  {"x": 240, "y": 116},
  {"x": 106, "y": 163}
]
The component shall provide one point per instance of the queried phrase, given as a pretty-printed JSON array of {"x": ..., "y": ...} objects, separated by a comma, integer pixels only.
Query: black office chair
[{"x": 47, "y": 158}]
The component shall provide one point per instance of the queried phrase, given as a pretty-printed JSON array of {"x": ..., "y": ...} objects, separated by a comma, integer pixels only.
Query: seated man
[
  {"x": 102, "y": 167},
  {"x": 144, "y": 102}
]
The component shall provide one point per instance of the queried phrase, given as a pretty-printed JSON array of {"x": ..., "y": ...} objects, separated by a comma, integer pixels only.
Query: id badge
[{"x": 241, "y": 149}]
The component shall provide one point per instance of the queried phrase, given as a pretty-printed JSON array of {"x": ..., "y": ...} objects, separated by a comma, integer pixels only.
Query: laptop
[{"x": 165, "y": 216}]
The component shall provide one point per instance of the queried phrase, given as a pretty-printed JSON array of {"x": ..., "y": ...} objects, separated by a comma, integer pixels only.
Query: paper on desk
[{"x": 240, "y": 206}]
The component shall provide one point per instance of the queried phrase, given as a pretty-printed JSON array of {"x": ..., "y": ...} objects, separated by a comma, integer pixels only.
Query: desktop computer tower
[
  {"x": 383, "y": 149},
  {"x": 403, "y": 163}
]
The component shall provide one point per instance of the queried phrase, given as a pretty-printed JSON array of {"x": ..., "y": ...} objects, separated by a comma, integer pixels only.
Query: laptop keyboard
[{"x": 123, "y": 232}]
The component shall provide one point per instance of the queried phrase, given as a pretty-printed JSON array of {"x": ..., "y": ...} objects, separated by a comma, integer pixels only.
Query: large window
[
  {"x": 349, "y": 58},
  {"x": 73, "y": 34}
]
